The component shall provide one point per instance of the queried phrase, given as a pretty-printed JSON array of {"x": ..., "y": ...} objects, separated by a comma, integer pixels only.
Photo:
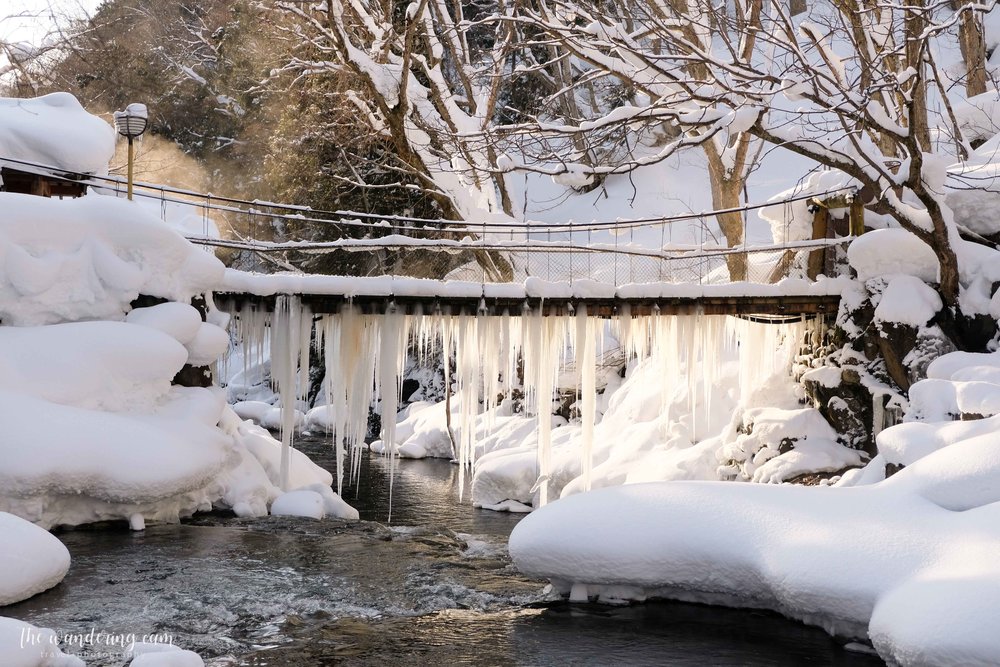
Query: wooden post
[
  {"x": 817, "y": 258},
  {"x": 857, "y": 217},
  {"x": 131, "y": 158}
]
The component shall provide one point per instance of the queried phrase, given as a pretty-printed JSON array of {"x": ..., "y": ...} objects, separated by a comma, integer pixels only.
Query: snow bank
[
  {"x": 54, "y": 130},
  {"x": 24, "y": 645},
  {"x": 89, "y": 258},
  {"x": 819, "y": 555},
  {"x": 908, "y": 562},
  {"x": 93, "y": 427},
  {"x": 32, "y": 560}
]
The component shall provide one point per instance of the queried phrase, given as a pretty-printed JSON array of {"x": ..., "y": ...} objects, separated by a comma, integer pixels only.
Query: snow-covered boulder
[
  {"x": 149, "y": 654},
  {"x": 24, "y": 645},
  {"x": 299, "y": 503},
  {"x": 55, "y": 131},
  {"x": 885, "y": 252},
  {"x": 32, "y": 561},
  {"x": 89, "y": 258}
]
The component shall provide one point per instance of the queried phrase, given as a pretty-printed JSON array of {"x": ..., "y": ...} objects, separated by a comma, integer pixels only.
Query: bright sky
[{"x": 30, "y": 20}]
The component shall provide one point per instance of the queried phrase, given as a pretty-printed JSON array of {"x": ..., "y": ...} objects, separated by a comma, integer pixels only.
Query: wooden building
[{"x": 42, "y": 185}]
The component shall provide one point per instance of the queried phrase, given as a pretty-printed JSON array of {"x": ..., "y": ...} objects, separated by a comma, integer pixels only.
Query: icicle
[
  {"x": 392, "y": 353},
  {"x": 285, "y": 354},
  {"x": 878, "y": 414},
  {"x": 586, "y": 363},
  {"x": 328, "y": 342},
  {"x": 468, "y": 382}
]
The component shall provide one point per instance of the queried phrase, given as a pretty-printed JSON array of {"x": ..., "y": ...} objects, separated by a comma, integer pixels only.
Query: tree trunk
[
  {"x": 726, "y": 193},
  {"x": 915, "y": 24},
  {"x": 970, "y": 39}
]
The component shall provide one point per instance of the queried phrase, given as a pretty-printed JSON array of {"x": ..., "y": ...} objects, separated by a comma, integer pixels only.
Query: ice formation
[{"x": 490, "y": 357}]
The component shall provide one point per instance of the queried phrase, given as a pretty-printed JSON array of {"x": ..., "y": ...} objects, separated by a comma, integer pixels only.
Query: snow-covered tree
[
  {"x": 845, "y": 85},
  {"x": 422, "y": 83}
]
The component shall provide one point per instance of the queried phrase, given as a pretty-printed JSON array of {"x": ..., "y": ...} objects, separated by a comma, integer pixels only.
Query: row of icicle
[{"x": 485, "y": 358}]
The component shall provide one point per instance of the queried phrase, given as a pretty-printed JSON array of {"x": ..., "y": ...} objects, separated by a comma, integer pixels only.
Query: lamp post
[{"x": 131, "y": 123}]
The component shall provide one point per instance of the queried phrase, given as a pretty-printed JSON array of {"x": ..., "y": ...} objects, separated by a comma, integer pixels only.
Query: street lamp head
[{"x": 132, "y": 122}]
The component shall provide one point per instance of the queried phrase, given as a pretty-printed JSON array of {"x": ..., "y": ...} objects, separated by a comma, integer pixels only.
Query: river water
[{"x": 434, "y": 587}]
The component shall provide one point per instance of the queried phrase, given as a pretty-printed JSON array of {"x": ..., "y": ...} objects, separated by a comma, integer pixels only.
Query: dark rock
[
  {"x": 194, "y": 376},
  {"x": 892, "y": 468},
  {"x": 895, "y": 342},
  {"x": 145, "y": 301},
  {"x": 816, "y": 478}
]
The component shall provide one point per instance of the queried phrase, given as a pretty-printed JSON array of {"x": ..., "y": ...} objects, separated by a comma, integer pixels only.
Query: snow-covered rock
[
  {"x": 32, "y": 561},
  {"x": 907, "y": 300},
  {"x": 24, "y": 645},
  {"x": 885, "y": 252},
  {"x": 303, "y": 503},
  {"x": 148, "y": 654},
  {"x": 180, "y": 321}
]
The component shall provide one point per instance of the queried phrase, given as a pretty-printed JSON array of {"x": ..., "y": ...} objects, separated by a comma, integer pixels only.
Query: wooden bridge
[{"x": 418, "y": 265}]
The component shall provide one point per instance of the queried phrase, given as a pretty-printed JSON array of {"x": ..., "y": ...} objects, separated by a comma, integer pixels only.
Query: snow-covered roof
[{"x": 55, "y": 130}]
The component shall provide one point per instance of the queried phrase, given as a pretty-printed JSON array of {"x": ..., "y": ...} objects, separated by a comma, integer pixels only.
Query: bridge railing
[{"x": 268, "y": 236}]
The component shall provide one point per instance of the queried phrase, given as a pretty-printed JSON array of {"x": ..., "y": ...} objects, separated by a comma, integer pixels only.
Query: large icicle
[
  {"x": 388, "y": 370},
  {"x": 286, "y": 339},
  {"x": 467, "y": 383},
  {"x": 586, "y": 364}
]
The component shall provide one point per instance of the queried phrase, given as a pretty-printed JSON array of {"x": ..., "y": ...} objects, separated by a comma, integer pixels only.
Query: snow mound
[
  {"x": 209, "y": 343},
  {"x": 56, "y": 131},
  {"x": 266, "y": 415},
  {"x": 24, "y": 645},
  {"x": 89, "y": 258},
  {"x": 781, "y": 444},
  {"x": 178, "y": 320},
  {"x": 885, "y": 252},
  {"x": 87, "y": 465},
  {"x": 93, "y": 365},
  {"x": 299, "y": 503},
  {"x": 33, "y": 560},
  {"x": 146, "y": 654},
  {"x": 917, "y": 575}
]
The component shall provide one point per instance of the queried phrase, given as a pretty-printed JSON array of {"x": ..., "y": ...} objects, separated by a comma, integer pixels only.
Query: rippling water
[{"x": 433, "y": 588}]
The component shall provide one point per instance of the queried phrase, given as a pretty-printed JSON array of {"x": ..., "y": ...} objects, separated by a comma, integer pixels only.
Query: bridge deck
[
  {"x": 767, "y": 306},
  {"x": 328, "y": 294}
]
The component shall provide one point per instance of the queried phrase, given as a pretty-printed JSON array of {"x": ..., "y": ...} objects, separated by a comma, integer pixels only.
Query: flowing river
[{"x": 434, "y": 587}]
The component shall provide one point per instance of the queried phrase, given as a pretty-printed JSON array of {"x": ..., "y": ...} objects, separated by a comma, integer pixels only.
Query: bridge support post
[{"x": 817, "y": 258}]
